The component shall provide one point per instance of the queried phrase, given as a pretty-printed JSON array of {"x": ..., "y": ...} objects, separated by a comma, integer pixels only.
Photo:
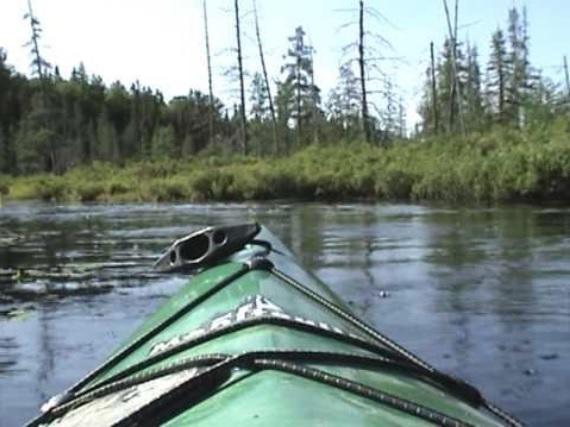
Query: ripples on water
[{"x": 481, "y": 293}]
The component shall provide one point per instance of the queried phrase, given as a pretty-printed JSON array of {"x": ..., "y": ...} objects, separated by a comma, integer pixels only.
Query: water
[{"x": 481, "y": 293}]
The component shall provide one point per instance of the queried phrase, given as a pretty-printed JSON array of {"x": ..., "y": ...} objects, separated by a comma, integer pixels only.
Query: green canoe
[{"x": 253, "y": 339}]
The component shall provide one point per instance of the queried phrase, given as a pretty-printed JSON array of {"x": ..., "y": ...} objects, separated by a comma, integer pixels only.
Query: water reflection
[{"x": 481, "y": 293}]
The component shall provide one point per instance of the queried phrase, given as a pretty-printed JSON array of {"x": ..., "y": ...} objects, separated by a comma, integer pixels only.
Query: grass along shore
[{"x": 502, "y": 165}]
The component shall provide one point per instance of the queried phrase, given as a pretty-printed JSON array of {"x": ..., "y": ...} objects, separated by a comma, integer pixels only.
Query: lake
[{"x": 481, "y": 293}]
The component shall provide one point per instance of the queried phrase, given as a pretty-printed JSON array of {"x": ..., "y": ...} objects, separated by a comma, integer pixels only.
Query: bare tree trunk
[
  {"x": 241, "y": 82},
  {"x": 456, "y": 89},
  {"x": 298, "y": 92},
  {"x": 36, "y": 48},
  {"x": 266, "y": 78},
  {"x": 361, "y": 62},
  {"x": 566, "y": 75},
  {"x": 458, "y": 94},
  {"x": 314, "y": 101},
  {"x": 50, "y": 157},
  {"x": 210, "y": 87},
  {"x": 434, "y": 92}
]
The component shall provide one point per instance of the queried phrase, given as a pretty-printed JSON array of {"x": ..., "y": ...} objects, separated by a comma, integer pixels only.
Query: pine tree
[
  {"x": 473, "y": 98},
  {"x": 389, "y": 114},
  {"x": 344, "y": 102},
  {"x": 448, "y": 99},
  {"x": 7, "y": 118},
  {"x": 262, "y": 129},
  {"x": 299, "y": 75},
  {"x": 164, "y": 143},
  {"x": 498, "y": 72},
  {"x": 118, "y": 105},
  {"x": 285, "y": 105},
  {"x": 107, "y": 139},
  {"x": 429, "y": 107},
  {"x": 519, "y": 82},
  {"x": 259, "y": 98}
]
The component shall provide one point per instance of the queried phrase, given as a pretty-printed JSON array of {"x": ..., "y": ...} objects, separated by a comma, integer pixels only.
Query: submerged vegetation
[{"x": 501, "y": 165}]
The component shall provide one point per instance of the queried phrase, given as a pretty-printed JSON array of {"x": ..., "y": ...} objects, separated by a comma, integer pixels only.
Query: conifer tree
[
  {"x": 519, "y": 82},
  {"x": 299, "y": 75},
  {"x": 473, "y": 98},
  {"x": 498, "y": 75},
  {"x": 259, "y": 99}
]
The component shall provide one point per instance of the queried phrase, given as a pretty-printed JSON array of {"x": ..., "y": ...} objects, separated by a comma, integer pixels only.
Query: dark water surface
[{"x": 481, "y": 293}]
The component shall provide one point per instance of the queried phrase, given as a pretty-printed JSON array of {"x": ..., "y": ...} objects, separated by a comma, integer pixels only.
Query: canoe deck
[{"x": 256, "y": 340}]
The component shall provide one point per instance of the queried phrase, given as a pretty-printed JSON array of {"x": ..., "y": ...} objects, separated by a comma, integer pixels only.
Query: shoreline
[{"x": 485, "y": 169}]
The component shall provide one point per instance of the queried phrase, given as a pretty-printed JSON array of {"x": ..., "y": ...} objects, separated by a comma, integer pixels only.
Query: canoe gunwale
[
  {"x": 220, "y": 371},
  {"x": 346, "y": 359},
  {"x": 215, "y": 371},
  {"x": 291, "y": 323}
]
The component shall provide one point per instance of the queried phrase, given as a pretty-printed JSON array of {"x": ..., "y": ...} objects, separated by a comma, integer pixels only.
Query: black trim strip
[
  {"x": 321, "y": 357},
  {"x": 354, "y": 387},
  {"x": 162, "y": 326},
  {"x": 69, "y": 393},
  {"x": 258, "y": 321},
  {"x": 207, "y": 381},
  {"x": 454, "y": 385},
  {"x": 468, "y": 392},
  {"x": 350, "y": 318},
  {"x": 245, "y": 361},
  {"x": 398, "y": 358}
]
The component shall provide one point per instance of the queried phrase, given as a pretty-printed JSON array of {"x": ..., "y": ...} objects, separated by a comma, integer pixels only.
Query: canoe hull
[{"x": 256, "y": 340}]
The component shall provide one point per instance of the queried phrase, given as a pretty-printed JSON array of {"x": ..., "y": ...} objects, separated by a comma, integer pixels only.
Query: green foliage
[
  {"x": 78, "y": 139},
  {"x": 5, "y": 183},
  {"x": 513, "y": 92},
  {"x": 50, "y": 189},
  {"x": 163, "y": 143},
  {"x": 500, "y": 165}
]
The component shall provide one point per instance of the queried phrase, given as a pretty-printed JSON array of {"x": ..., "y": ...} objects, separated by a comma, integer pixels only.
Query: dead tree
[
  {"x": 456, "y": 88},
  {"x": 266, "y": 79},
  {"x": 299, "y": 47},
  {"x": 362, "y": 65},
  {"x": 241, "y": 80},
  {"x": 366, "y": 52},
  {"x": 38, "y": 63},
  {"x": 314, "y": 96},
  {"x": 41, "y": 67},
  {"x": 210, "y": 85},
  {"x": 566, "y": 76},
  {"x": 434, "y": 92}
]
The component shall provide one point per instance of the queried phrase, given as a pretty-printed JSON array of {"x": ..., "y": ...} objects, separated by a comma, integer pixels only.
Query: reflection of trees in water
[
  {"x": 486, "y": 280},
  {"x": 513, "y": 297},
  {"x": 368, "y": 302},
  {"x": 483, "y": 262},
  {"x": 307, "y": 234},
  {"x": 514, "y": 293},
  {"x": 451, "y": 257},
  {"x": 368, "y": 247},
  {"x": 8, "y": 360},
  {"x": 46, "y": 354}
]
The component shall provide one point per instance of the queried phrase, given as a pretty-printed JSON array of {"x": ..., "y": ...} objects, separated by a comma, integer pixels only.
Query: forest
[{"x": 493, "y": 129}]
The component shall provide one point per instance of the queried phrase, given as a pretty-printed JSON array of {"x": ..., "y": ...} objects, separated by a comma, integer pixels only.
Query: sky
[{"x": 161, "y": 42}]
